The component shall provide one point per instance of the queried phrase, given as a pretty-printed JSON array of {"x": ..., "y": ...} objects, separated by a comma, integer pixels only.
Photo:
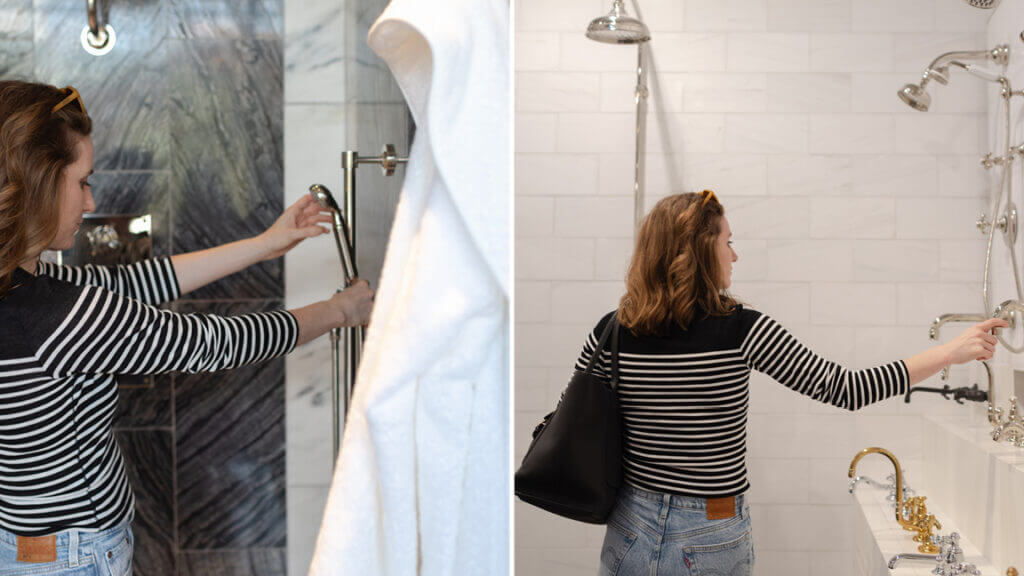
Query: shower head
[
  {"x": 326, "y": 201},
  {"x": 617, "y": 27},
  {"x": 324, "y": 198},
  {"x": 986, "y": 4},
  {"x": 915, "y": 96}
]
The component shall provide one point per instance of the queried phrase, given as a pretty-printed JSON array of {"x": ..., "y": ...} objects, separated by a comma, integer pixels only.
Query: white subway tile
[
  {"x": 919, "y": 134},
  {"x": 728, "y": 175},
  {"x": 851, "y": 134},
  {"x": 536, "y": 528},
  {"x": 581, "y": 54},
  {"x": 769, "y": 397},
  {"x": 859, "y": 304},
  {"x": 686, "y": 133},
  {"x": 557, "y": 174},
  {"x": 896, "y": 261},
  {"x": 835, "y": 562},
  {"x": 919, "y": 304},
  {"x": 778, "y": 480},
  {"x": 531, "y": 388},
  {"x": 554, "y": 259},
  {"x": 876, "y": 345},
  {"x": 962, "y": 261},
  {"x": 661, "y": 15},
  {"x": 809, "y": 260},
  {"x": 537, "y": 50},
  {"x": 775, "y": 52},
  {"x": 766, "y": 133},
  {"x": 809, "y": 93},
  {"x": 558, "y": 92},
  {"x": 727, "y": 15},
  {"x": 895, "y": 176},
  {"x": 713, "y": 92},
  {"x": 828, "y": 482},
  {"x": 809, "y": 15},
  {"x": 787, "y": 302},
  {"x": 612, "y": 258},
  {"x": 769, "y": 217},
  {"x": 594, "y": 217},
  {"x": 828, "y": 342},
  {"x": 535, "y": 216},
  {"x": 964, "y": 176},
  {"x": 615, "y": 174},
  {"x": 776, "y": 562},
  {"x": 584, "y": 302},
  {"x": 683, "y": 52},
  {"x": 571, "y": 15},
  {"x": 597, "y": 132},
  {"x": 899, "y": 434},
  {"x": 535, "y": 132},
  {"x": 803, "y": 175},
  {"x": 852, "y": 52},
  {"x": 960, "y": 16},
  {"x": 533, "y": 301},
  {"x": 752, "y": 265},
  {"x": 550, "y": 345},
  {"x": 853, "y": 218},
  {"x": 937, "y": 218},
  {"x": 890, "y": 16}
]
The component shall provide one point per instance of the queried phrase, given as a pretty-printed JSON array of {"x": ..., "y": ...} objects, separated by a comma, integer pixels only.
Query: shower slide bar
[{"x": 343, "y": 379}]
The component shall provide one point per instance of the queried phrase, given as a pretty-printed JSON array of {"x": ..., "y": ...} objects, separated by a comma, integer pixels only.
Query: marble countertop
[{"x": 891, "y": 539}]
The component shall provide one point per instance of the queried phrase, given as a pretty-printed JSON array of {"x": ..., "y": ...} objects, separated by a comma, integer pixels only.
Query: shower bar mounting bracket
[
  {"x": 1008, "y": 223},
  {"x": 98, "y": 38}
]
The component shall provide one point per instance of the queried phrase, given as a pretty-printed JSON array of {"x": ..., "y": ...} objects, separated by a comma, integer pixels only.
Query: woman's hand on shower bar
[
  {"x": 300, "y": 221},
  {"x": 974, "y": 343},
  {"x": 350, "y": 307}
]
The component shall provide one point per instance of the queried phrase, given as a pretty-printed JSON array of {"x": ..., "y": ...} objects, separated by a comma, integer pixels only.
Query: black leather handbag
[{"x": 573, "y": 467}]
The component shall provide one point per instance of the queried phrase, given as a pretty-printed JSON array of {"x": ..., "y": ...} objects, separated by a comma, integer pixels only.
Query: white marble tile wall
[
  {"x": 317, "y": 128},
  {"x": 853, "y": 218}
]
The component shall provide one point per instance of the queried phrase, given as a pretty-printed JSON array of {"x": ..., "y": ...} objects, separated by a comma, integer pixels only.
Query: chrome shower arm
[
  {"x": 1000, "y": 54},
  {"x": 933, "y": 331}
]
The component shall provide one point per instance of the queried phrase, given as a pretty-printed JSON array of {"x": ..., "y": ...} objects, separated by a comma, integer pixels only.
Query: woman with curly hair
[
  {"x": 66, "y": 333},
  {"x": 686, "y": 350}
]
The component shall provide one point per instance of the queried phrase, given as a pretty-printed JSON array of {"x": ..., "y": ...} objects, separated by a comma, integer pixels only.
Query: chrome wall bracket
[
  {"x": 1007, "y": 223},
  {"x": 98, "y": 38}
]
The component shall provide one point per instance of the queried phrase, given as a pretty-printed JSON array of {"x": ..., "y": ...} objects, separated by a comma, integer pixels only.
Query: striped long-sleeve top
[
  {"x": 684, "y": 396},
  {"x": 64, "y": 336}
]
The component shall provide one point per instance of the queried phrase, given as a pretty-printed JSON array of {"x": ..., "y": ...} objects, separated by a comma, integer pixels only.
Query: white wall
[{"x": 853, "y": 217}]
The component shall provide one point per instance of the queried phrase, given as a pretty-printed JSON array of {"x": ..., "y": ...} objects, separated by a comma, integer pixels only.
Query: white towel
[{"x": 422, "y": 482}]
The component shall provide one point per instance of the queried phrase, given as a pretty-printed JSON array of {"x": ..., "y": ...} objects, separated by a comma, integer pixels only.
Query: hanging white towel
[{"x": 422, "y": 482}]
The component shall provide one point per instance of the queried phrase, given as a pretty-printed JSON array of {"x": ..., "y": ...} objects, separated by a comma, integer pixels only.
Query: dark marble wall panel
[
  {"x": 230, "y": 449},
  {"x": 16, "y": 19},
  {"x": 137, "y": 193},
  {"x": 149, "y": 460},
  {"x": 227, "y": 138},
  {"x": 225, "y": 18},
  {"x": 17, "y": 60},
  {"x": 124, "y": 91},
  {"x": 251, "y": 562}
]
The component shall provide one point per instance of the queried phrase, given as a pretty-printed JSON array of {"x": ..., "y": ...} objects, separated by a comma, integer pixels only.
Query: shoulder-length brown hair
[
  {"x": 675, "y": 274},
  {"x": 36, "y": 144}
]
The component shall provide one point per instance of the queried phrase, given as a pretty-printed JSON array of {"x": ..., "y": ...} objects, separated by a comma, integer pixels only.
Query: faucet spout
[
  {"x": 899, "y": 474},
  {"x": 933, "y": 332},
  {"x": 911, "y": 556}
]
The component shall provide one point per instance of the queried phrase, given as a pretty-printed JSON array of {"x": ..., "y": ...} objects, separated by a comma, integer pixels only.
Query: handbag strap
[{"x": 611, "y": 328}]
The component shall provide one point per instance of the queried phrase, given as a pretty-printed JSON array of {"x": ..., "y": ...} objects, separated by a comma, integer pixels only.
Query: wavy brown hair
[
  {"x": 36, "y": 144},
  {"x": 674, "y": 274}
]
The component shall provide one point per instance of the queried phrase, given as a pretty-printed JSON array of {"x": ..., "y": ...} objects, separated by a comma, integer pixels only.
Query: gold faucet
[
  {"x": 899, "y": 475},
  {"x": 1011, "y": 571},
  {"x": 924, "y": 534},
  {"x": 914, "y": 510}
]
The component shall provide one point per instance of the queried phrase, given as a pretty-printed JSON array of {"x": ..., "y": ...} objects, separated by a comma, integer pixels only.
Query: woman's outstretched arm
[
  {"x": 974, "y": 343},
  {"x": 300, "y": 221}
]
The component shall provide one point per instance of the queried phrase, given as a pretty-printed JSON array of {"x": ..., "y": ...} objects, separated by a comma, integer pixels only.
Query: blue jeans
[
  {"x": 105, "y": 553},
  {"x": 654, "y": 534}
]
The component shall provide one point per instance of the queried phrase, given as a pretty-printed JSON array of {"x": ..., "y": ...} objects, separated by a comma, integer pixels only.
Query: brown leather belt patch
[
  {"x": 721, "y": 508},
  {"x": 37, "y": 549}
]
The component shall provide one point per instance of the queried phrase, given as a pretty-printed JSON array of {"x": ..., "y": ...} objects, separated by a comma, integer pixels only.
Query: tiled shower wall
[
  {"x": 853, "y": 216},
  {"x": 188, "y": 125},
  {"x": 338, "y": 96}
]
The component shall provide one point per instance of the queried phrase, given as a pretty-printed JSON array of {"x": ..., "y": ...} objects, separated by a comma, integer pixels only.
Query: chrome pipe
[
  {"x": 94, "y": 18},
  {"x": 912, "y": 556},
  {"x": 639, "y": 149},
  {"x": 933, "y": 332}
]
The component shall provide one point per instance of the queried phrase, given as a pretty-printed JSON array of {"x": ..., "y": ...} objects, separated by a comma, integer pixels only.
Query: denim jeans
[
  {"x": 654, "y": 534},
  {"x": 105, "y": 553}
]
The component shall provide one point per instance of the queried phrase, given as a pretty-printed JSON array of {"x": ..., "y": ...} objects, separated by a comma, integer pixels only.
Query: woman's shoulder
[{"x": 34, "y": 307}]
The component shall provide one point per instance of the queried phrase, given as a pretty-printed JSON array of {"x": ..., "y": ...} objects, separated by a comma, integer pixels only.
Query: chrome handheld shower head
[
  {"x": 326, "y": 201},
  {"x": 984, "y": 4}
]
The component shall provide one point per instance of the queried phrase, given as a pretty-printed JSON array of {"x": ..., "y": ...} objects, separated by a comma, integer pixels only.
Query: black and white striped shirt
[
  {"x": 64, "y": 336},
  {"x": 684, "y": 396}
]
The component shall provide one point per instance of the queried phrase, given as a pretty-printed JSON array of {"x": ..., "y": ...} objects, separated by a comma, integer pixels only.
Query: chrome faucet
[
  {"x": 891, "y": 486},
  {"x": 933, "y": 332},
  {"x": 1010, "y": 428},
  {"x": 948, "y": 562}
]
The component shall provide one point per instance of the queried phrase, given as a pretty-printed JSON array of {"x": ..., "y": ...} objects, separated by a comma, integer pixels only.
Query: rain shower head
[
  {"x": 916, "y": 97},
  {"x": 617, "y": 27},
  {"x": 986, "y": 4}
]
